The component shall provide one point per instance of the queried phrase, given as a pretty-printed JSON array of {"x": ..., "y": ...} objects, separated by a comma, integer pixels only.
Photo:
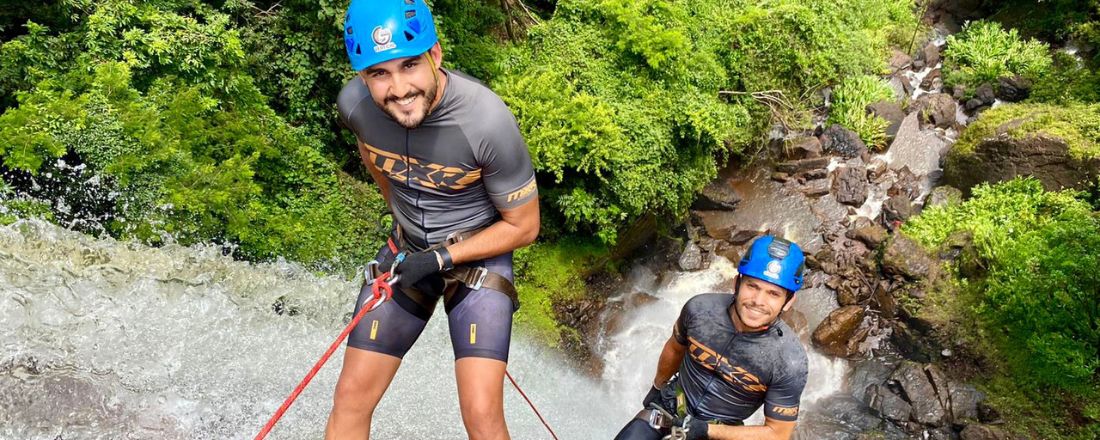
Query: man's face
[
  {"x": 404, "y": 88},
  {"x": 759, "y": 303}
]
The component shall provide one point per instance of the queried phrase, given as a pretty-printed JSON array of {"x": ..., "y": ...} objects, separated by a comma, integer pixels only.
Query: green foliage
[
  {"x": 984, "y": 52},
  {"x": 162, "y": 105},
  {"x": 1077, "y": 124},
  {"x": 850, "y": 101},
  {"x": 1039, "y": 295},
  {"x": 550, "y": 273},
  {"x": 1068, "y": 81},
  {"x": 618, "y": 100}
]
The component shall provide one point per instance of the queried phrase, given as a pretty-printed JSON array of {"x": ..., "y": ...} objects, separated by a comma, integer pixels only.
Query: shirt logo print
[
  {"x": 429, "y": 175},
  {"x": 738, "y": 376}
]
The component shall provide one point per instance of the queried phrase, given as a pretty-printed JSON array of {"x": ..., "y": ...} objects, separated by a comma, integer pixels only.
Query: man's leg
[
  {"x": 638, "y": 430},
  {"x": 363, "y": 379},
  {"x": 481, "y": 397},
  {"x": 480, "y": 323}
]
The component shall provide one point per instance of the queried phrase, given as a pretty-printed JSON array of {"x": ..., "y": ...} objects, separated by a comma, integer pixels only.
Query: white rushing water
[{"x": 110, "y": 340}]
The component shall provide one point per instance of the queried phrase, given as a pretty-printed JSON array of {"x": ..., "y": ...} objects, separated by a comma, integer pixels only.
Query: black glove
[
  {"x": 696, "y": 429},
  {"x": 417, "y": 266},
  {"x": 654, "y": 395}
]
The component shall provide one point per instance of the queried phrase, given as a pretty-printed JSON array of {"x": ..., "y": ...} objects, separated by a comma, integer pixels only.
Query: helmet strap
[{"x": 435, "y": 77}]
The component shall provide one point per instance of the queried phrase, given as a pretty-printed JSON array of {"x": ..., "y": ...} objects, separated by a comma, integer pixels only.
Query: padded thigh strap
[{"x": 469, "y": 276}]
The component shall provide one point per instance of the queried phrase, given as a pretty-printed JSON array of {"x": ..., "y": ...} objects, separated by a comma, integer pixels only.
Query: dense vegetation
[{"x": 1028, "y": 293}]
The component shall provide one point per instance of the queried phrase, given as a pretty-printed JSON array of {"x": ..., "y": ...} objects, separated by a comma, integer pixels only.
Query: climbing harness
[{"x": 382, "y": 291}]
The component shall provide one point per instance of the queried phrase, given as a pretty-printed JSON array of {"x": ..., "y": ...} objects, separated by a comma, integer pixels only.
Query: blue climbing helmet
[
  {"x": 774, "y": 260},
  {"x": 377, "y": 31}
]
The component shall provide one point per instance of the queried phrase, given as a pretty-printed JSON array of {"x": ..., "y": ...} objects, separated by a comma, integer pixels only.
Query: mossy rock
[{"x": 1059, "y": 146}]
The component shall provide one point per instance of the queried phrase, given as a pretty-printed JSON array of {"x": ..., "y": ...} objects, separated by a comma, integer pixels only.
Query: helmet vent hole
[
  {"x": 410, "y": 14},
  {"x": 358, "y": 50},
  {"x": 350, "y": 30},
  {"x": 410, "y": 2},
  {"x": 408, "y": 36}
]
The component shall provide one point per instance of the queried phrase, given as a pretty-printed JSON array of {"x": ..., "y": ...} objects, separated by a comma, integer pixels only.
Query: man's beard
[{"x": 414, "y": 119}]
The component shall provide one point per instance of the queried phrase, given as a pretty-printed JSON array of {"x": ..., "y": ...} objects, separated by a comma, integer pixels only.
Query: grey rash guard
[
  {"x": 726, "y": 375},
  {"x": 454, "y": 172}
]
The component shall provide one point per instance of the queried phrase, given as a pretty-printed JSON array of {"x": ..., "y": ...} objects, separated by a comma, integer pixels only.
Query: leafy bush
[
  {"x": 160, "y": 104},
  {"x": 619, "y": 103},
  {"x": 1039, "y": 295},
  {"x": 850, "y": 101},
  {"x": 1077, "y": 124},
  {"x": 984, "y": 52}
]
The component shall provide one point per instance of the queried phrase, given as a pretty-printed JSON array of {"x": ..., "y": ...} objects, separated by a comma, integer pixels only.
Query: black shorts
[{"x": 480, "y": 320}]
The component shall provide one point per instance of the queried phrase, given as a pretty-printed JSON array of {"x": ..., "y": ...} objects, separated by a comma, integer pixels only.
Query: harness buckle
[
  {"x": 657, "y": 420},
  {"x": 369, "y": 270},
  {"x": 482, "y": 272}
]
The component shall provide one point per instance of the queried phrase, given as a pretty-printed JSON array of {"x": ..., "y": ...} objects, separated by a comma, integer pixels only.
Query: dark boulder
[
  {"x": 942, "y": 196},
  {"x": 933, "y": 80},
  {"x": 802, "y": 165},
  {"x": 888, "y": 405},
  {"x": 842, "y": 141},
  {"x": 870, "y": 235},
  {"x": 691, "y": 258},
  {"x": 718, "y": 196},
  {"x": 983, "y": 432},
  {"x": 931, "y": 54},
  {"x": 803, "y": 148},
  {"x": 850, "y": 185},
  {"x": 964, "y": 401},
  {"x": 913, "y": 378},
  {"x": 836, "y": 335},
  {"x": 1002, "y": 157},
  {"x": 891, "y": 112},
  {"x": 936, "y": 109},
  {"x": 1013, "y": 88},
  {"x": 897, "y": 209},
  {"x": 905, "y": 257}
]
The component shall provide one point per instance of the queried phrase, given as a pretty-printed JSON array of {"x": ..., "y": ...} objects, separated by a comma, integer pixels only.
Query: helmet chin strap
[
  {"x": 736, "y": 311},
  {"x": 435, "y": 77}
]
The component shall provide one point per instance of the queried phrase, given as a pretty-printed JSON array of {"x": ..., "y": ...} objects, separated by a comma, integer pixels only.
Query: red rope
[
  {"x": 532, "y": 405},
  {"x": 382, "y": 292}
]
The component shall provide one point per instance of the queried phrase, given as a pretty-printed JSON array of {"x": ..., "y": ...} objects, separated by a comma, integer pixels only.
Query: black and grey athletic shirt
[
  {"x": 452, "y": 173},
  {"x": 727, "y": 375}
]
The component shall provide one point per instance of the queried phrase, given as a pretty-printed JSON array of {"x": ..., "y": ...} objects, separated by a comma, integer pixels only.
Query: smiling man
[
  {"x": 729, "y": 354},
  {"x": 450, "y": 161}
]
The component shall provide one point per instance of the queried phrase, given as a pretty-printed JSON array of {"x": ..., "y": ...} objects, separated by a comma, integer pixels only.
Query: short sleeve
[
  {"x": 506, "y": 166},
  {"x": 679, "y": 331},
  {"x": 782, "y": 399}
]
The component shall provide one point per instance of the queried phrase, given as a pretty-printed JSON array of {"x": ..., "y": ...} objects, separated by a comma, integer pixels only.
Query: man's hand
[
  {"x": 417, "y": 266},
  {"x": 696, "y": 429},
  {"x": 653, "y": 395}
]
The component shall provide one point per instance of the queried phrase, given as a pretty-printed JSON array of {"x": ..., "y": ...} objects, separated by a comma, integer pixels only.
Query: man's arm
[
  {"x": 669, "y": 362},
  {"x": 517, "y": 228},
  {"x": 771, "y": 430}
]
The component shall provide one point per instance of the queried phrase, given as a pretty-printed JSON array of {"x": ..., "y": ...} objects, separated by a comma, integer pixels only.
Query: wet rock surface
[
  {"x": 1003, "y": 157},
  {"x": 837, "y": 333},
  {"x": 843, "y": 142}
]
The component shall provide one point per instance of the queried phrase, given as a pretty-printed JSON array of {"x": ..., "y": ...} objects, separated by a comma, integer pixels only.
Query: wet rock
[
  {"x": 936, "y": 109},
  {"x": 803, "y": 148},
  {"x": 1013, "y": 89},
  {"x": 905, "y": 184},
  {"x": 718, "y": 196},
  {"x": 691, "y": 258},
  {"x": 1002, "y": 157},
  {"x": 900, "y": 60},
  {"x": 796, "y": 320},
  {"x": 920, "y": 392},
  {"x": 835, "y": 335},
  {"x": 888, "y": 405},
  {"x": 964, "y": 401},
  {"x": 815, "y": 188},
  {"x": 933, "y": 80},
  {"x": 743, "y": 236},
  {"x": 820, "y": 173},
  {"x": 781, "y": 177},
  {"x": 851, "y": 292},
  {"x": 942, "y": 196},
  {"x": 985, "y": 94},
  {"x": 842, "y": 141},
  {"x": 728, "y": 252},
  {"x": 896, "y": 210},
  {"x": 885, "y": 302},
  {"x": 867, "y": 373},
  {"x": 891, "y": 112},
  {"x": 905, "y": 257},
  {"x": 983, "y": 432},
  {"x": 931, "y": 54},
  {"x": 901, "y": 87},
  {"x": 803, "y": 165},
  {"x": 958, "y": 92},
  {"x": 870, "y": 235},
  {"x": 850, "y": 185},
  {"x": 876, "y": 168}
]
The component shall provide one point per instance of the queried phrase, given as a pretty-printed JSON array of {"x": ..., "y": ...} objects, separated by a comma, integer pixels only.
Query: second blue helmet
[
  {"x": 774, "y": 260},
  {"x": 377, "y": 31}
]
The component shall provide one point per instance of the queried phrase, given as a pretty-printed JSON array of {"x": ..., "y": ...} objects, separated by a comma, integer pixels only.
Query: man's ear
[
  {"x": 790, "y": 303},
  {"x": 436, "y": 52}
]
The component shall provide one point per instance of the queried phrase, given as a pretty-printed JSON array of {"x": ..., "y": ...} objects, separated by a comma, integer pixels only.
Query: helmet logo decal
[
  {"x": 383, "y": 39},
  {"x": 774, "y": 267}
]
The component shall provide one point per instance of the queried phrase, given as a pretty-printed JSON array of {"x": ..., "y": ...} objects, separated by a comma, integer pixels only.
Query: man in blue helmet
[
  {"x": 449, "y": 159},
  {"x": 729, "y": 354}
]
